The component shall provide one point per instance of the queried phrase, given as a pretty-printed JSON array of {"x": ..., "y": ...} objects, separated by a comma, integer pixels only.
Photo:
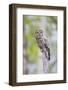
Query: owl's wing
[{"x": 47, "y": 48}]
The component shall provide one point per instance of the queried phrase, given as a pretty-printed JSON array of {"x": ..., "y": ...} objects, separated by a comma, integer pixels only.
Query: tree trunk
[{"x": 45, "y": 63}]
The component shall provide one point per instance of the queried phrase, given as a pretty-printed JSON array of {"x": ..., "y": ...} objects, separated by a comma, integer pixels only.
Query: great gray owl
[{"x": 42, "y": 42}]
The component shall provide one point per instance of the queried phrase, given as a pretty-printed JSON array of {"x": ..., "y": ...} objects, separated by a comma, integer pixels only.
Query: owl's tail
[{"x": 48, "y": 54}]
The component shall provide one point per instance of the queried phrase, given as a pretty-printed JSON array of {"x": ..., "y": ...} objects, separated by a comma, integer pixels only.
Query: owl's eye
[
  {"x": 41, "y": 31},
  {"x": 41, "y": 34}
]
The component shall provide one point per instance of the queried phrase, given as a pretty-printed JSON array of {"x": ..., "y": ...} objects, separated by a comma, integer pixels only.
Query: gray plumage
[{"x": 42, "y": 43}]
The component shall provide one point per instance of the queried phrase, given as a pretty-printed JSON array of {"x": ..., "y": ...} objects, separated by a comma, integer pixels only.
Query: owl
[{"x": 42, "y": 42}]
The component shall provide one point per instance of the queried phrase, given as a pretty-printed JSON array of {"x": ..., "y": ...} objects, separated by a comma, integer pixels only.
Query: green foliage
[
  {"x": 52, "y": 19},
  {"x": 26, "y": 20},
  {"x": 31, "y": 49}
]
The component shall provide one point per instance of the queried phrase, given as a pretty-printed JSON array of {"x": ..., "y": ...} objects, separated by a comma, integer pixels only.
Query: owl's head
[{"x": 39, "y": 33}]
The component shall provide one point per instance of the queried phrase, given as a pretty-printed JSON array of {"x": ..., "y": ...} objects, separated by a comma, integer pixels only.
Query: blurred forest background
[{"x": 32, "y": 63}]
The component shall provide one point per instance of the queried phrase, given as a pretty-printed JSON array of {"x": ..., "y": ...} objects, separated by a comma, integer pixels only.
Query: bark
[{"x": 45, "y": 63}]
